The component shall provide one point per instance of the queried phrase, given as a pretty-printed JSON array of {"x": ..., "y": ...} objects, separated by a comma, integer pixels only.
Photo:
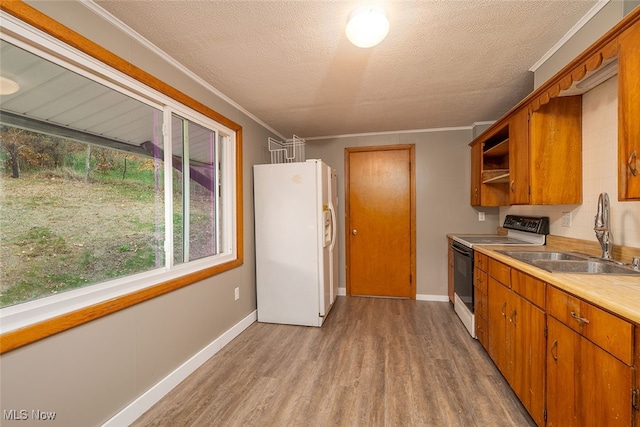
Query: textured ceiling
[{"x": 443, "y": 64}]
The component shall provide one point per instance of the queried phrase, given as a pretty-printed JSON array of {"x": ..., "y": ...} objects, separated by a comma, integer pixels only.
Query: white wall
[{"x": 599, "y": 160}]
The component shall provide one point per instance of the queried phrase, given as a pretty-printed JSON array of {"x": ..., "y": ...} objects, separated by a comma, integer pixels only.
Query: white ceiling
[{"x": 443, "y": 64}]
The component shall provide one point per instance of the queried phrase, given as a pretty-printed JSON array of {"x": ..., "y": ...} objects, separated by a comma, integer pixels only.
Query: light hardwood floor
[{"x": 375, "y": 362}]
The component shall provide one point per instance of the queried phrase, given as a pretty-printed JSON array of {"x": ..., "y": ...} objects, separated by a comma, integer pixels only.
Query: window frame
[{"x": 28, "y": 322}]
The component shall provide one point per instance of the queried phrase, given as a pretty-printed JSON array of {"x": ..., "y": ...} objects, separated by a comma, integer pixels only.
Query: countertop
[{"x": 617, "y": 294}]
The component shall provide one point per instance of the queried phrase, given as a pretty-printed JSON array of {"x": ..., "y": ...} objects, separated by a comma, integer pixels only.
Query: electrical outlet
[
  {"x": 237, "y": 293},
  {"x": 480, "y": 216},
  {"x": 566, "y": 219}
]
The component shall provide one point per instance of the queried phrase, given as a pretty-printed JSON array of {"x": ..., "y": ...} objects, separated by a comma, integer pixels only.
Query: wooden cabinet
[
  {"x": 489, "y": 171},
  {"x": 450, "y": 271},
  {"x": 555, "y": 152},
  {"x": 628, "y": 113},
  {"x": 519, "y": 183},
  {"x": 481, "y": 301},
  {"x": 580, "y": 372},
  {"x": 516, "y": 335},
  {"x": 589, "y": 374},
  {"x": 530, "y": 158}
]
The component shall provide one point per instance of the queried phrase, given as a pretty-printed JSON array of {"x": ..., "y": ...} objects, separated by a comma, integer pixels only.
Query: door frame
[{"x": 412, "y": 195}]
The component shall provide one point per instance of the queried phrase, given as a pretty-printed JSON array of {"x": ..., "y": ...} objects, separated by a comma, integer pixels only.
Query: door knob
[{"x": 354, "y": 231}]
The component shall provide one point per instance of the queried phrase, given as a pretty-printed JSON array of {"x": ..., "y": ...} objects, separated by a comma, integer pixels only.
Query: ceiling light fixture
[
  {"x": 8, "y": 86},
  {"x": 367, "y": 26}
]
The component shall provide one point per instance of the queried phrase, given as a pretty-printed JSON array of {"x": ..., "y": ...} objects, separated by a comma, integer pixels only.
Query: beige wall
[
  {"x": 91, "y": 372},
  {"x": 442, "y": 196}
]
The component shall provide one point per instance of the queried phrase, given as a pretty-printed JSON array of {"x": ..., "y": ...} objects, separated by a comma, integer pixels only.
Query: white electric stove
[{"x": 526, "y": 231}]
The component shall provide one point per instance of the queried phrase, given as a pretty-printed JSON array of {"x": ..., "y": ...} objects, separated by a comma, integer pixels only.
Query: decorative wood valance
[{"x": 576, "y": 73}]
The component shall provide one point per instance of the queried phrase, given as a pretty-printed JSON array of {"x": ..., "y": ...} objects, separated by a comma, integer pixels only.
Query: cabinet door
[
  {"x": 604, "y": 388},
  {"x": 476, "y": 172},
  {"x": 555, "y": 150},
  {"x": 628, "y": 113},
  {"x": 519, "y": 158},
  {"x": 586, "y": 386},
  {"x": 528, "y": 346},
  {"x": 499, "y": 297},
  {"x": 562, "y": 372}
]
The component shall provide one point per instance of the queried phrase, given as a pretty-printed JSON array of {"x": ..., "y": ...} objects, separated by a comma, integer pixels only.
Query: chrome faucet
[{"x": 603, "y": 228}]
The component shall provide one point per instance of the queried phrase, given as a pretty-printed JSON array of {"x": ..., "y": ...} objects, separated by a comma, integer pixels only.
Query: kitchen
[{"x": 438, "y": 152}]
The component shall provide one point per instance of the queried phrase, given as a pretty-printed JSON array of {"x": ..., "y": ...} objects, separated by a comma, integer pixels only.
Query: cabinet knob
[
  {"x": 513, "y": 183},
  {"x": 354, "y": 232},
  {"x": 554, "y": 350},
  {"x": 632, "y": 159}
]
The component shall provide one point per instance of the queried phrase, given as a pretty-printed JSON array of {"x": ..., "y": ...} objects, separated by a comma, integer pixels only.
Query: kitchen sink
[
  {"x": 570, "y": 262},
  {"x": 528, "y": 256},
  {"x": 584, "y": 266}
]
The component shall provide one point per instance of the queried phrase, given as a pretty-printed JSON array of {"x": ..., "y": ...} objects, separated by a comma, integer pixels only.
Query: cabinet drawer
[
  {"x": 528, "y": 287},
  {"x": 482, "y": 331},
  {"x": 480, "y": 260},
  {"x": 480, "y": 304},
  {"x": 480, "y": 280},
  {"x": 499, "y": 271},
  {"x": 610, "y": 332}
]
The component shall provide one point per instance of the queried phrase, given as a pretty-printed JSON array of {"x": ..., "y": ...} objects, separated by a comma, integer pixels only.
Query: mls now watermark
[{"x": 23, "y": 415}]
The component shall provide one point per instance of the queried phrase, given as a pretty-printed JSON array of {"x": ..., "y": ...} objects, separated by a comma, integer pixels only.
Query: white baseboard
[
  {"x": 420, "y": 297},
  {"x": 150, "y": 397},
  {"x": 426, "y": 297}
]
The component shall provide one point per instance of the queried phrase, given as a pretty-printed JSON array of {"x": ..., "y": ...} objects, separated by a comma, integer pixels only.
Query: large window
[{"x": 105, "y": 183}]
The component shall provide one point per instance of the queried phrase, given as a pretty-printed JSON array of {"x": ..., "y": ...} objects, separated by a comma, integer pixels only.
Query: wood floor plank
[{"x": 375, "y": 362}]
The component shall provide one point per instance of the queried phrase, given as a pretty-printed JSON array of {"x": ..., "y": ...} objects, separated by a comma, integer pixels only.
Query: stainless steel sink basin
[
  {"x": 528, "y": 256},
  {"x": 584, "y": 266},
  {"x": 570, "y": 262}
]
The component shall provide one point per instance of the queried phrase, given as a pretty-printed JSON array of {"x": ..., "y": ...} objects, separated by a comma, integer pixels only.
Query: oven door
[{"x": 463, "y": 274}]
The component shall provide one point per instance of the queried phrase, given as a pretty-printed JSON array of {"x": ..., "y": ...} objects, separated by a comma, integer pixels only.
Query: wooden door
[{"x": 380, "y": 231}]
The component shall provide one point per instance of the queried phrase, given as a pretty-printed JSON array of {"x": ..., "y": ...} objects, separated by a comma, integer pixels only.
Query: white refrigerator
[{"x": 296, "y": 241}]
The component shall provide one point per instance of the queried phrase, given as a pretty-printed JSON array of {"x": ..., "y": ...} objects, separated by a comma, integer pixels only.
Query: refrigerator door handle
[{"x": 334, "y": 226}]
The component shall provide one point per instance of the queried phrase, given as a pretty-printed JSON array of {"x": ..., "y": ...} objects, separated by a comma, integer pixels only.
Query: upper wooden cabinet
[
  {"x": 629, "y": 113},
  {"x": 555, "y": 153},
  {"x": 531, "y": 158},
  {"x": 543, "y": 132},
  {"x": 490, "y": 169}
]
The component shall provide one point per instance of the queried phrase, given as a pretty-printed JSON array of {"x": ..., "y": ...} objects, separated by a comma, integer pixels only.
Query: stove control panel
[{"x": 531, "y": 224}]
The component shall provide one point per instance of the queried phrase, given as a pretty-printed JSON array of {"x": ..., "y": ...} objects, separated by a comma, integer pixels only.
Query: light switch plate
[
  {"x": 566, "y": 219},
  {"x": 480, "y": 216}
]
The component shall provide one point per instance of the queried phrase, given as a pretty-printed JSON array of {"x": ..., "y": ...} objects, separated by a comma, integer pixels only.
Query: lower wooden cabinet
[
  {"x": 517, "y": 345},
  {"x": 587, "y": 386},
  {"x": 480, "y": 305},
  {"x": 589, "y": 364},
  {"x": 570, "y": 363}
]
